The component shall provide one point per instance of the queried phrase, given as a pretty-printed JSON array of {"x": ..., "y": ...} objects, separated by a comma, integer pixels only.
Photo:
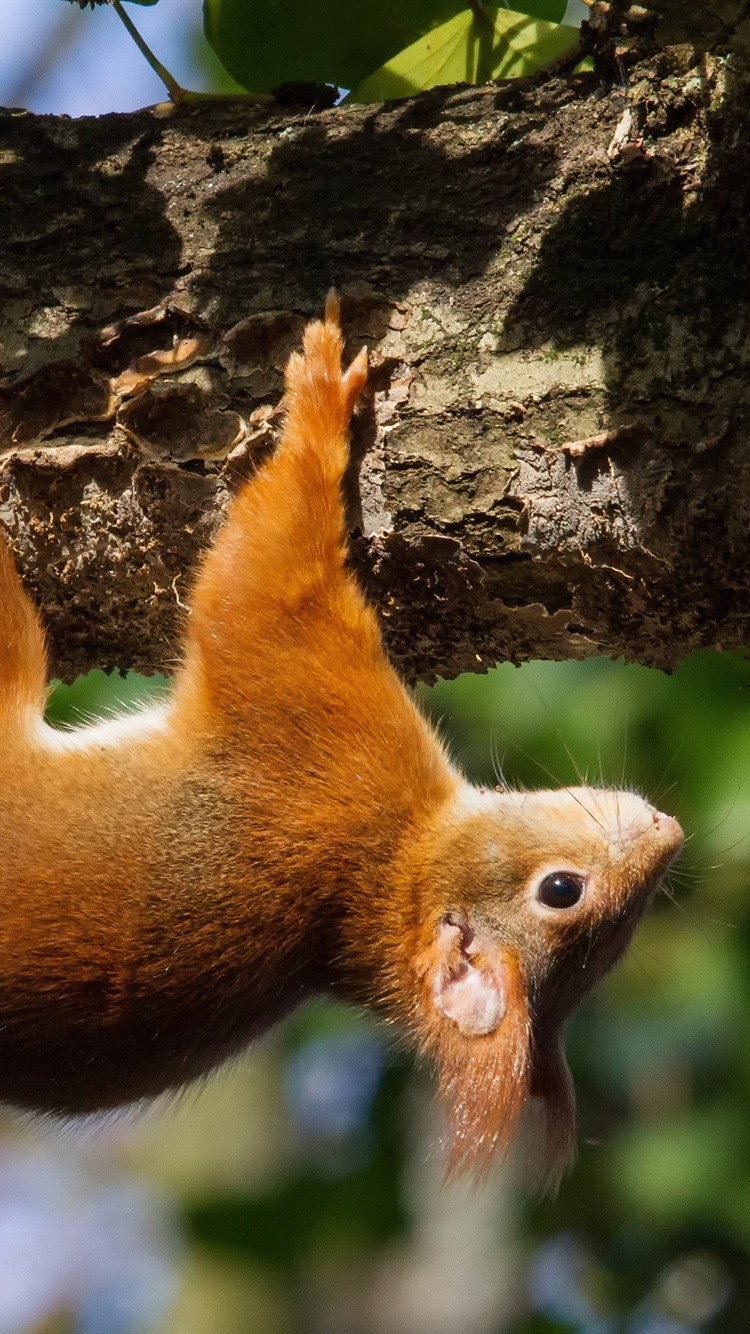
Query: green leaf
[
  {"x": 464, "y": 51},
  {"x": 264, "y": 43}
]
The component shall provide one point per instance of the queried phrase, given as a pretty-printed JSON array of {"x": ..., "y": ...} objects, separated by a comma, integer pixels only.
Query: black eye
[{"x": 561, "y": 889}]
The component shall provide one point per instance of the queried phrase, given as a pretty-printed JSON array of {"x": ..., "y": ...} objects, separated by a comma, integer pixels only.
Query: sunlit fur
[
  {"x": 484, "y": 1080},
  {"x": 483, "y": 857},
  {"x": 287, "y": 823}
]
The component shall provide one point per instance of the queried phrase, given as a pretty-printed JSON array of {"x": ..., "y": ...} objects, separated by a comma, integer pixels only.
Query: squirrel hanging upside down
[{"x": 287, "y": 823}]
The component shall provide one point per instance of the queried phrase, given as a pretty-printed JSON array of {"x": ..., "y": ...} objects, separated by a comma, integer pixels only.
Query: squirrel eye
[{"x": 561, "y": 889}]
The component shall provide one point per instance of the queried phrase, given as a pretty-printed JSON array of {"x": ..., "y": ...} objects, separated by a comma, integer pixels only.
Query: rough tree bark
[{"x": 552, "y": 279}]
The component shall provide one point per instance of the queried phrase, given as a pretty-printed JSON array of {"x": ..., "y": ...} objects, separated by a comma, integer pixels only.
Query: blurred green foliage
[
  {"x": 656, "y": 1214},
  {"x": 98, "y": 696},
  {"x": 660, "y": 1053}
]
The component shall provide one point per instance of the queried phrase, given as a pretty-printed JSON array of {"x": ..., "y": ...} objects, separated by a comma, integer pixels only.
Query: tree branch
[{"x": 553, "y": 285}]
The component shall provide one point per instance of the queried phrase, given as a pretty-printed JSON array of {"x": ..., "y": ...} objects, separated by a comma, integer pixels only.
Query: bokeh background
[{"x": 302, "y": 1190}]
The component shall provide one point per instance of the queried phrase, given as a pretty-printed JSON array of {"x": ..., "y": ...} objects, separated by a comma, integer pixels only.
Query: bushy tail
[{"x": 23, "y": 657}]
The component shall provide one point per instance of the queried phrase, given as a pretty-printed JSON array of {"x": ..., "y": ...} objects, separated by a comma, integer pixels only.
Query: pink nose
[{"x": 669, "y": 828}]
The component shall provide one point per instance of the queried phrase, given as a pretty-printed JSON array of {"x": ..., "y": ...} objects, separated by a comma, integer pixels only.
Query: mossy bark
[{"x": 553, "y": 280}]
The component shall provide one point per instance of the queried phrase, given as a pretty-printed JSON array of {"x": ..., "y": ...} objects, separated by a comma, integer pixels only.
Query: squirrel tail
[{"x": 23, "y": 655}]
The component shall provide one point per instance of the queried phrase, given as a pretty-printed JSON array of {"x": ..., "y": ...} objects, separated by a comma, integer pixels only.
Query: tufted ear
[
  {"x": 470, "y": 985},
  {"x": 475, "y": 1025}
]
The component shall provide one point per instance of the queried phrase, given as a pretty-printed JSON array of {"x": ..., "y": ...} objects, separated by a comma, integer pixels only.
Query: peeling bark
[{"x": 553, "y": 282}]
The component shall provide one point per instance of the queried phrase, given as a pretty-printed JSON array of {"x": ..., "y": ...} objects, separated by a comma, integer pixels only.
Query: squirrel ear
[
  {"x": 470, "y": 985},
  {"x": 475, "y": 1024}
]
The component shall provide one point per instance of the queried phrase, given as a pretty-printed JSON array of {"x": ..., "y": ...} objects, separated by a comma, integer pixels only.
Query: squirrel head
[{"x": 524, "y": 900}]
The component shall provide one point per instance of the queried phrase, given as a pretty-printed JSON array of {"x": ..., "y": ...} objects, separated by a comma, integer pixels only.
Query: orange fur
[
  {"x": 288, "y": 823},
  {"x": 484, "y": 1081}
]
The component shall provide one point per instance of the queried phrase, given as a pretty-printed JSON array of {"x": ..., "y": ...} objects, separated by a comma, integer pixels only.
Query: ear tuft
[{"x": 475, "y": 1024}]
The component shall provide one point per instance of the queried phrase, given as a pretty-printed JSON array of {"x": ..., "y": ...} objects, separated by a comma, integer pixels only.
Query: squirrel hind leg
[
  {"x": 320, "y": 397},
  {"x": 283, "y": 545},
  {"x": 23, "y": 656}
]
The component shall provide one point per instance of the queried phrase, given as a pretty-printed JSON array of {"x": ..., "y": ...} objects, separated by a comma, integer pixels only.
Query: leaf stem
[
  {"x": 480, "y": 14},
  {"x": 176, "y": 92}
]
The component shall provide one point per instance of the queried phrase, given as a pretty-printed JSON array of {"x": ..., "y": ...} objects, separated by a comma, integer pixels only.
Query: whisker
[
  {"x": 693, "y": 914},
  {"x": 571, "y": 758},
  {"x": 625, "y": 749},
  {"x": 706, "y": 833},
  {"x": 497, "y": 768},
  {"x": 563, "y": 787},
  {"x": 638, "y": 953},
  {"x": 658, "y": 786}
]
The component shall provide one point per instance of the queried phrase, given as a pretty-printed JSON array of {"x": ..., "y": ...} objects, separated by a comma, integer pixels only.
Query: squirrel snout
[{"x": 669, "y": 829}]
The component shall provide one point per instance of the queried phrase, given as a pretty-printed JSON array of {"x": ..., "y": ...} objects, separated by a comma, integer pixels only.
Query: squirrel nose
[{"x": 669, "y": 828}]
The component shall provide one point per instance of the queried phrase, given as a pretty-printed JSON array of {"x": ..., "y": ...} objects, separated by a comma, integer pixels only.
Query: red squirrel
[{"x": 287, "y": 823}]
